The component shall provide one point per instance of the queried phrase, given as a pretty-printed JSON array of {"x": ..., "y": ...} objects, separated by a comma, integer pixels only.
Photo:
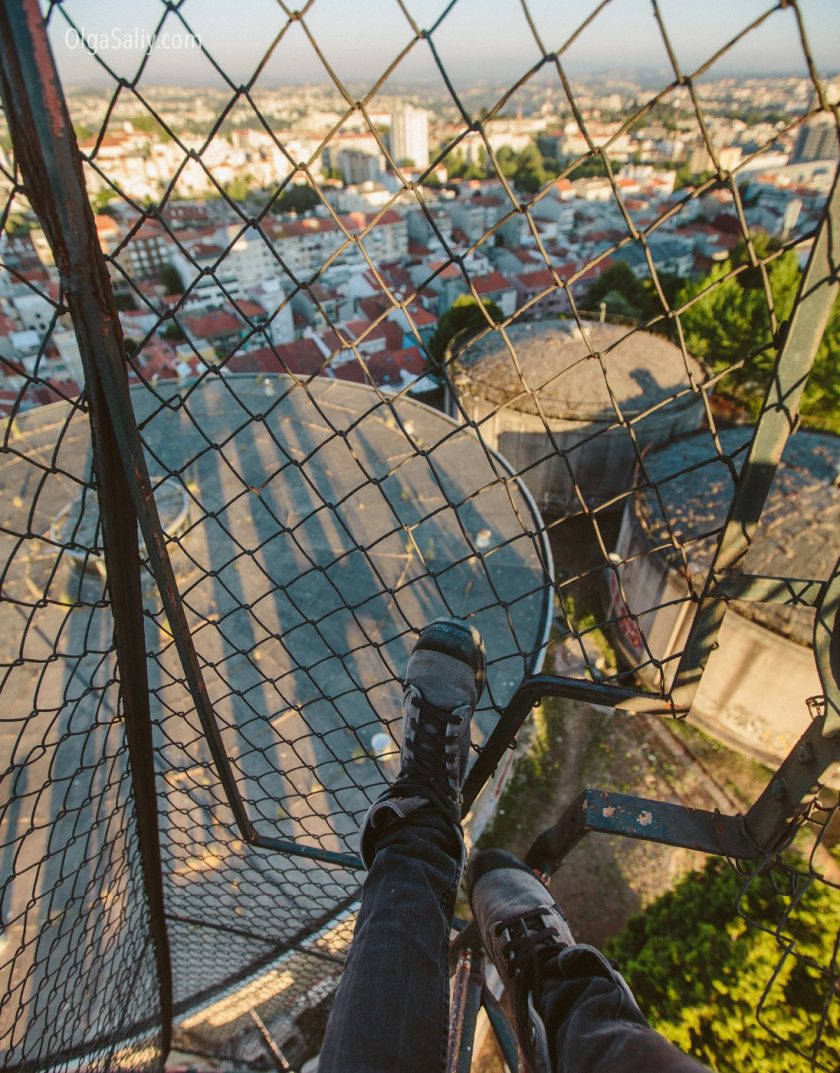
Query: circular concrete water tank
[
  {"x": 570, "y": 407},
  {"x": 326, "y": 525},
  {"x": 757, "y": 680}
]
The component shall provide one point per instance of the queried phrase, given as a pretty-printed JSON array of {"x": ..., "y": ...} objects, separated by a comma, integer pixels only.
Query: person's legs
[
  {"x": 594, "y": 1025},
  {"x": 573, "y": 1012},
  {"x": 390, "y": 1012}
]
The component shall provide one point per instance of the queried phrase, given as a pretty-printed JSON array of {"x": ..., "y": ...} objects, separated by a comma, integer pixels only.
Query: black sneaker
[
  {"x": 527, "y": 938},
  {"x": 443, "y": 682},
  {"x": 522, "y": 930}
]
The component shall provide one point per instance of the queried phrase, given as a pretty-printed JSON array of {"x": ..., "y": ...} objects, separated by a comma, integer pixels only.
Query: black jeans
[{"x": 390, "y": 1014}]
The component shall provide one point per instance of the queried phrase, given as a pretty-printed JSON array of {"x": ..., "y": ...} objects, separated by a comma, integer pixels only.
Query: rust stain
[
  {"x": 644, "y": 819},
  {"x": 46, "y": 68}
]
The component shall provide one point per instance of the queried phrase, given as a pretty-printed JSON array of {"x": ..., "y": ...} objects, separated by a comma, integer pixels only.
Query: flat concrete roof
[
  {"x": 797, "y": 536},
  {"x": 332, "y": 524},
  {"x": 574, "y": 372}
]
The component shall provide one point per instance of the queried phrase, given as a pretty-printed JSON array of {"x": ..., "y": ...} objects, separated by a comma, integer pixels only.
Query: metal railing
[{"x": 191, "y": 734}]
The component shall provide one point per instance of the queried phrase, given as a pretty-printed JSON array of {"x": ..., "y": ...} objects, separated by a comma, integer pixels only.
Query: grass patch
[
  {"x": 520, "y": 815},
  {"x": 585, "y": 617},
  {"x": 741, "y": 776}
]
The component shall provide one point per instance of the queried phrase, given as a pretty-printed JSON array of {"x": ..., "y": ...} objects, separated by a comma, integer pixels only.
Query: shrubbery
[{"x": 698, "y": 970}]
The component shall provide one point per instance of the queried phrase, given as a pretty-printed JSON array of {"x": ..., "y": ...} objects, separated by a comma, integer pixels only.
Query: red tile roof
[
  {"x": 301, "y": 357},
  {"x": 249, "y": 308},
  {"x": 421, "y": 316},
  {"x": 206, "y": 249},
  {"x": 387, "y": 369},
  {"x": 525, "y": 256},
  {"x": 383, "y": 370},
  {"x": 538, "y": 281},
  {"x": 106, "y": 225},
  {"x": 212, "y": 325},
  {"x": 350, "y": 370},
  {"x": 374, "y": 305},
  {"x": 492, "y": 283}
]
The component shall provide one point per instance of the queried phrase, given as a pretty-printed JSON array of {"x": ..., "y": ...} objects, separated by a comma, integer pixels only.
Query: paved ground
[{"x": 323, "y": 534}]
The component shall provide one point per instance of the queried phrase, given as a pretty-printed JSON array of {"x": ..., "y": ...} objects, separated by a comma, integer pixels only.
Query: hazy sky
[{"x": 478, "y": 39}]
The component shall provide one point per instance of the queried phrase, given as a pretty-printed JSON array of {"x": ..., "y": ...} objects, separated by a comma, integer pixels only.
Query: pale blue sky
[{"x": 478, "y": 39}]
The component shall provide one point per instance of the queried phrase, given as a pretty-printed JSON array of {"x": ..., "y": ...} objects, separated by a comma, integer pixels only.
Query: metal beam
[
  {"x": 761, "y": 588},
  {"x": 768, "y": 821},
  {"x": 827, "y": 651},
  {"x": 502, "y": 1030},
  {"x": 605, "y": 812},
  {"x": 46, "y": 151},
  {"x": 458, "y": 1007},
  {"x": 312, "y": 853},
  {"x": 42, "y": 133},
  {"x": 529, "y": 692},
  {"x": 776, "y": 421},
  {"x": 271, "y": 1044}
]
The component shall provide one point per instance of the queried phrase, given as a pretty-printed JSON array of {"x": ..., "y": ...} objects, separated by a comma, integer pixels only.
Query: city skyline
[{"x": 360, "y": 44}]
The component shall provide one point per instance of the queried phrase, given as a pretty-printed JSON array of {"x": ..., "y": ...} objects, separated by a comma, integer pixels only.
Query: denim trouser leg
[
  {"x": 594, "y": 1025},
  {"x": 391, "y": 1011}
]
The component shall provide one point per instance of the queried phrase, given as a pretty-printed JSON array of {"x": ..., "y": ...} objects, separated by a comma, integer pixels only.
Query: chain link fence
[{"x": 304, "y": 510}]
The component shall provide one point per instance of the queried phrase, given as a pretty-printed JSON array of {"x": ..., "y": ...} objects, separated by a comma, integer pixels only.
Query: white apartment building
[
  {"x": 250, "y": 259},
  {"x": 410, "y": 135},
  {"x": 306, "y": 244}
]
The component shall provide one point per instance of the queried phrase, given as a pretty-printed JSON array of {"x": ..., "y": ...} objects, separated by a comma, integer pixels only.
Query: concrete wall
[
  {"x": 753, "y": 692},
  {"x": 599, "y": 459}
]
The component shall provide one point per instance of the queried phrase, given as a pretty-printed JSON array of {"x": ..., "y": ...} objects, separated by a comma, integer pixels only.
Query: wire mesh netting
[
  {"x": 782, "y": 899},
  {"x": 330, "y": 474}
]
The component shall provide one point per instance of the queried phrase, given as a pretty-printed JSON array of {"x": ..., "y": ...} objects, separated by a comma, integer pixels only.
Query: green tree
[
  {"x": 329, "y": 172},
  {"x": 474, "y": 171},
  {"x": 507, "y": 161},
  {"x": 686, "y": 177},
  {"x": 170, "y": 278},
  {"x": 530, "y": 172},
  {"x": 101, "y": 198},
  {"x": 455, "y": 163},
  {"x": 463, "y": 315},
  {"x": 591, "y": 168},
  {"x": 173, "y": 333},
  {"x": 297, "y": 198},
  {"x": 729, "y": 322},
  {"x": 621, "y": 291},
  {"x": 699, "y": 971},
  {"x": 239, "y": 187}
]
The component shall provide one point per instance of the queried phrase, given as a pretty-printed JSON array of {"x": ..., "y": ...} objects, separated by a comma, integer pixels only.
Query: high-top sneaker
[{"x": 443, "y": 682}]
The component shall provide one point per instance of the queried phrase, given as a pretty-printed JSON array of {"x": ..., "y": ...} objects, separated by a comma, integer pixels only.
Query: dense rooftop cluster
[{"x": 349, "y": 279}]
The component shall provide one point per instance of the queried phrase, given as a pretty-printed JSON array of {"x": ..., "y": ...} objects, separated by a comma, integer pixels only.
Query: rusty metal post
[
  {"x": 468, "y": 987},
  {"x": 46, "y": 150},
  {"x": 271, "y": 1044},
  {"x": 458, "y": 1008}
]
